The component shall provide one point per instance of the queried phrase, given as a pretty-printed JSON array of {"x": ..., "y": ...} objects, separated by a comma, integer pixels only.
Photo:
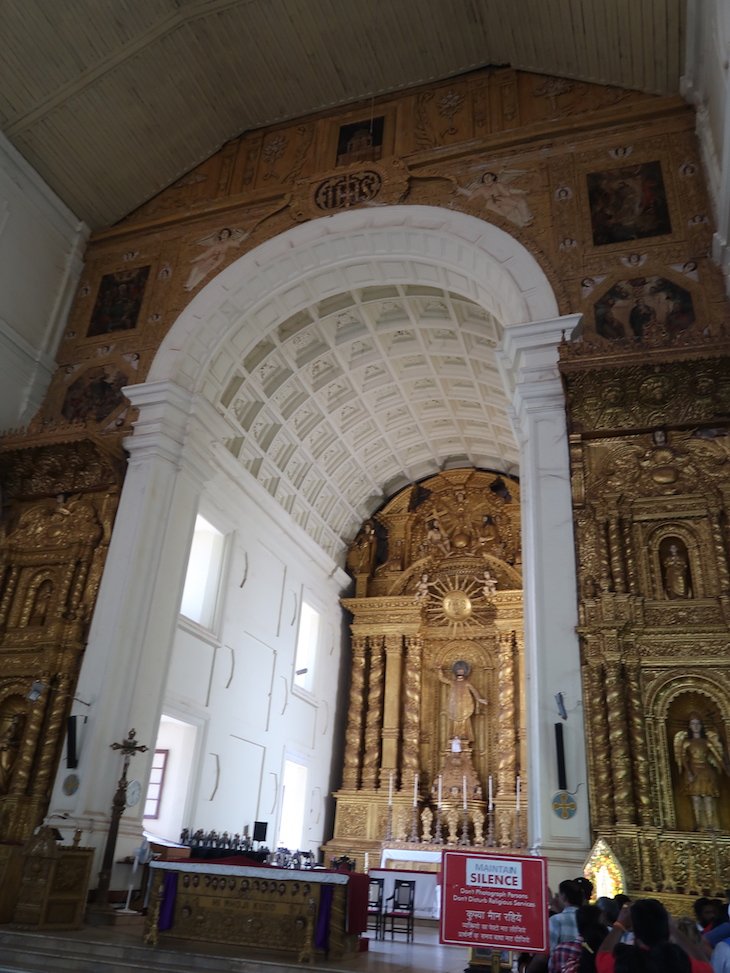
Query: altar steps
[{"x": 31, "y": 952}]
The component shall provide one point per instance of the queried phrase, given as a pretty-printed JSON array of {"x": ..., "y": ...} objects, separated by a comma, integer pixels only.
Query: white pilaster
[
  {"x": 126, "y": 661},
  {"x": 529, "y": 366}
]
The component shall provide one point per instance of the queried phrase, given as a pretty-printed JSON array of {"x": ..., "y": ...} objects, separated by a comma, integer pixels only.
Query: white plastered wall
[
  {"x": 706, "y": 85},
  {"x": 136, "y": 663},
  {"x": 41, "y": 250}
]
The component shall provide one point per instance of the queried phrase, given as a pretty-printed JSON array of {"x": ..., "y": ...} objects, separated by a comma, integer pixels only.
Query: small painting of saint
[
  {"x": 360, "y": 141},
  {"x": 628, "y": 204},
  {"x": 118, "y": 301},
  {"x": 639, "y": 307}
]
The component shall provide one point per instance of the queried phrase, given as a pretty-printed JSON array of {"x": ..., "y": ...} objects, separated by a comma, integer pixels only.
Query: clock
[{"x": 134, "y": 792}]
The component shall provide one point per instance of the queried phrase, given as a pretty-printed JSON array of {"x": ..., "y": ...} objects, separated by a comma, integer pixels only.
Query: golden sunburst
[{"x": 459, "y": 602}]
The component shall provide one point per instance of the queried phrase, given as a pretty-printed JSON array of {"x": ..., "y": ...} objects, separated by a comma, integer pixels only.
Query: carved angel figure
[
  {"x": 216, "y": 247},
  {"x": 495, "y": 192},
  {"x": 701, "y": 759}
]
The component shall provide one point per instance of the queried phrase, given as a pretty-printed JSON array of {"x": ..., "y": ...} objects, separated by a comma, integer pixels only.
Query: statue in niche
[
  {"x": 701, "y": 759},
  {"x": 361, "y": 556},
  {"x": 462, "y": 702},
  {"x": 11, "y": 729},
  {"x": 675, "y": 569},
  {"x": 41, "y": 602}
]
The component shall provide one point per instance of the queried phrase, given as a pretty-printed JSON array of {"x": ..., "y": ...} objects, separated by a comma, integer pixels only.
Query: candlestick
[
  {"x": 517, "y": 800},
  {"x": 463, "y": 790},
  {"x": 390, "y": 789},
  {"x": 491, "y": 802},
  {"x": 415, "y": 790},
  {"x": 440, "y": 785}
]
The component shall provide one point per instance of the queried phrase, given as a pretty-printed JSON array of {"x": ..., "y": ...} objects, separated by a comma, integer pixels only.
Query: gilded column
[
  {"x": 603, "y": 555},
  {"x": 355, "y": 714},
  {"x": 78, "y": 583},
  {"x": 619, "y": 747},
  {"x": 720, "y": 552},
  {"x": 597, "y": 730},
  {"x": 616, "y": 553},
  {"x": 411, "y": 708},
  {"x": 29, "y": 745},
  {"x": 374, "y": 716},
  {"x": 628, "y": 547},
  {"x": 638, "y": 745},
  {"x": 506, "y": 765},
  {"x": 51, "y": 737},
  {"x": 391, "y": 714},
  {"x": 11, "y": 581}
]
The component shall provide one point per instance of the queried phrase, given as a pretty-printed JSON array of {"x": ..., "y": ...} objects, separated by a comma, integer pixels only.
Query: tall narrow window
[
  {"x": 293, "y": 805},
  {"x": 203, "y": 575},
  {"x": 307, "y": 642},
  {"x": 156, "y": 784}
]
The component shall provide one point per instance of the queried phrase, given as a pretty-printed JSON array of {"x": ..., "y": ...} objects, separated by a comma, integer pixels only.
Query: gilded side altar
[{"x": 649, "y": 453}]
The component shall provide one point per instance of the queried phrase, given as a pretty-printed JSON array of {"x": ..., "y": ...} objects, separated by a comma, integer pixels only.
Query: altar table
[{"x": 281, "y": 909}]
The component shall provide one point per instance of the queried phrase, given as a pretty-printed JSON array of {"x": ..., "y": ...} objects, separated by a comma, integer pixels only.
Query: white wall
[
  {"x": 41, "y": 249},
  {"x": 238, "y": 679},
  {"x": 706, "y": 84}
]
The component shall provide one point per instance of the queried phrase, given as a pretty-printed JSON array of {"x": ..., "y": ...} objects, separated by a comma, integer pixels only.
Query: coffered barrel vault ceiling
[
  {"x": 360, "y": 394},
  {"x": 113, "y": 100}
]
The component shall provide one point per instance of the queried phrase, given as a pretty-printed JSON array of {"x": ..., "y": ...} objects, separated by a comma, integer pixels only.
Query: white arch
[
  {"x": 175, "y": 449},
  {"x": 389, "y": 244}
]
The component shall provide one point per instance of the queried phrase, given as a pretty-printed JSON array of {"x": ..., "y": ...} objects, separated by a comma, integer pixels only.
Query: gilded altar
[{"x": 435, "y": 738}]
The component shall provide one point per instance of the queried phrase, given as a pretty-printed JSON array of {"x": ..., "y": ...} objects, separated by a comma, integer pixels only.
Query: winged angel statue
[{"x": 701, "y": 759}]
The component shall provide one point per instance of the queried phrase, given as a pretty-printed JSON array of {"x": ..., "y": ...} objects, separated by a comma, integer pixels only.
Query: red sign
[{"x": 494, "y": 900}]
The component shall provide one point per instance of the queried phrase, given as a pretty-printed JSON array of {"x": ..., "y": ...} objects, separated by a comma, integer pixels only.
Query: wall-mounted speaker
[{"x": 72, "y": 760}]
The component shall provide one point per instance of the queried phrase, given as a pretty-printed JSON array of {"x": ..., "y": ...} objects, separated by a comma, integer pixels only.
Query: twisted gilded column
[
  {"x": 720, "y": 552},
  {"x": 411, "y": 708},
  {"x": 11, "y": 581},
  {"x": 355, "y": 714},
  {"x": 29, "y": 745},
  {"x": 630, "y": 556},
  {"x": 597, "y": 729},
  {"x": 506, "y": 765},
  {"x": 78, "y": 583},
  {"x": 618, "y": 574},
  {"x": 391, "y": 712},
  {"x": 640, "y": 756},
  {"x": 374, "y": 717},
  {"x": 619, "y": 745},
  {"x": 603, "y": 553},
  {"x": 52, "y": 736}
]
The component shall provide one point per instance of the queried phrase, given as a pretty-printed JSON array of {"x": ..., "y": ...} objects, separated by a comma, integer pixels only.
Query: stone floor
[{"x": 105, "y": 949}]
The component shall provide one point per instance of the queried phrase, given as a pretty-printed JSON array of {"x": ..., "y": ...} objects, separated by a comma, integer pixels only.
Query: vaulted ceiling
[{"x": 113, "y": 100}]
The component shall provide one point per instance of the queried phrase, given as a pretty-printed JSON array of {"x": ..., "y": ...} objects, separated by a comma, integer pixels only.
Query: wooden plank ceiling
[{"x": 112, "y": 100}]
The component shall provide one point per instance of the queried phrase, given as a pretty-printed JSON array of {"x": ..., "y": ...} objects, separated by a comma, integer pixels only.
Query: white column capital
[
  {"x": 174, "y": 425},
  {"x": 529, "y": 352}
]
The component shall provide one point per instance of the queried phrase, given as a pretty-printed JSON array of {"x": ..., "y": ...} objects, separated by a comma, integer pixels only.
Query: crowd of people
[{"x": 616, "y": 935}]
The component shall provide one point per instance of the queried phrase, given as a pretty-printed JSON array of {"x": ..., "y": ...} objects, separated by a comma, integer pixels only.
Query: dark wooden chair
[
  {"x": 399, "y": 909},
  {"x": 375, "y": 906}
]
